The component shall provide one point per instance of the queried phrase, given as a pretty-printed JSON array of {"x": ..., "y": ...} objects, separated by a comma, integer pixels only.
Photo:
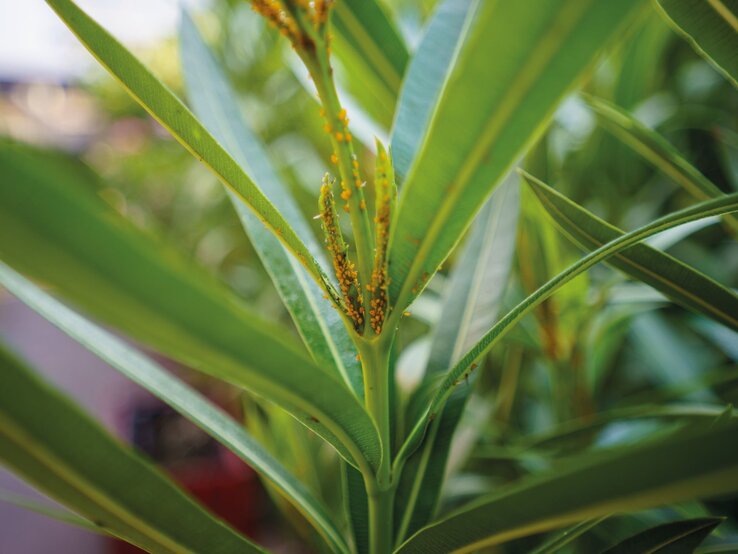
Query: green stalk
[{"x": 380, "y": 489}]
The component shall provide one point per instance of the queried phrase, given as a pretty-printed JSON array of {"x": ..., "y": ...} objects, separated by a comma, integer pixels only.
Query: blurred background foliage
[{"x": 597, "y": 363}]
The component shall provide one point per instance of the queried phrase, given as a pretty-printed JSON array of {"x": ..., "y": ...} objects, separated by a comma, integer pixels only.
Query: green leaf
[
  {"x": 681, "y": 283},
  {"x": 426, "y": 75},
  {"x": 676, "y": 537},
  {"x": 711, "y": 26},
  {"x": 54, "y": 230},
  {"x": 192, "y": 405},
  {"x": 657, "y": 150},
  {"x": 169, "y": 110},
  {"x": 44, "y": 509},
  {"x": 681, "y": 467},
  {"x": 45, "y": 438},
  {"x": 560, "y": 540},
  {"x": 356, "y": 507},
  {"x": 373, "y": 55},
  {"x": 570, "y": 431},
  {"x": 471, "y": 304},
  {"x": 518, "y": 62},
  {"x": 462, "y": 369},
  {"x": 319, "y": 324}
]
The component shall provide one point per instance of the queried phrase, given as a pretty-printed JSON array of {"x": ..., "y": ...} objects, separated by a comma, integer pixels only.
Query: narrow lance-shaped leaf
[
  {"x": 57, "y": 231},
  {"x": 657, "y": 150},
  {"x": 175, "y": 393},
  {"x": 676, "y": 280},
  {"x": 373, "y": 55},
  {"x": 630, "y": 479},
  {"x": 461, "y": 369},
  {"x": 44, "y": 509},
  {"x": 169, "y": 110},
  {"x": 711, "y": 26},
  {"x": 560, "y": 540},
  {"x": 320, "y": 325},
  {"x": 49, "y": 441},
  {"x": 676, "y": 537},
  {"x": 356, "y": 506},
  {"x": 470, "y": 306},
  {"x": 425, "y": 78},
  {"x": 518, "y": 62}
]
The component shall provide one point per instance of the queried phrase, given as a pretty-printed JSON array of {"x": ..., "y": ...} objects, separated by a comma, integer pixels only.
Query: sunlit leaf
[
  {"x": 169, "y": 110},
  {"x": 426, "y": 75},
  {"x": 510, "y": 74}
]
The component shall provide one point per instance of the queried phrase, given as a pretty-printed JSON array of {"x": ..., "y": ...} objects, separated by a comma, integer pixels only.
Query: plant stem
[{"x": 380, "y": 490}]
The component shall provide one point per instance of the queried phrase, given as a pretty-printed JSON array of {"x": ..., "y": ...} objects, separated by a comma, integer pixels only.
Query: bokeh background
[{"x": 612, "y": 343}]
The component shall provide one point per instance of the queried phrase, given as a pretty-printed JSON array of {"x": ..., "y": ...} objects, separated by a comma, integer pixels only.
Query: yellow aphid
[
  {"x": 339, "y": 136},
  {"x": 327, "y": 128},
  {"x": 346, "y": 194},
  {"x": 334, "y": 158},
  {"x": 342, "y": 114},
  {"x": 386, "y": 193},
  {"x": 345, "y": 271}
]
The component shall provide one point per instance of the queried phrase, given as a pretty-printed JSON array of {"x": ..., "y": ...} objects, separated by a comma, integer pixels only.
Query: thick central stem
[{"x": 380, "y": 489}]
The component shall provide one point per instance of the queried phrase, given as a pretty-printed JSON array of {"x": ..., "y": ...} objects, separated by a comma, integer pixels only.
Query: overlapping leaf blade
[
  {"x": 517, "y": 63},
  {"x": 719, "y": 206},
  {"x": 711, "y": 26},
  {"x": 676, "y": 280},
  {"x": 674, "y": 537},
  {"x": 469, "y": 308},
  {"x": 682, "y": 467},
  {"x": 426, "y": 75},
  {"x": 169, "y": 110},
  {"x": 176, "y": 394},
  {"x": 373, "y": 54},
  {"x": 320, "y": 325},
  {"x": 53, "y": 230},
  {"x": 657, "y": 150},
  {"x": 45, "y": 438},
  {"x": 44, "y": 509}
]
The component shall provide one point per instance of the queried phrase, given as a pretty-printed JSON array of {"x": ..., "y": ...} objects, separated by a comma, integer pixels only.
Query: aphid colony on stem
[{"x": 305, "y": 24}]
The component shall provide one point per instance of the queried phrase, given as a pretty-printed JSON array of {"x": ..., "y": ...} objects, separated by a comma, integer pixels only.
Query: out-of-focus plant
[{"x": 469, "y": 105}]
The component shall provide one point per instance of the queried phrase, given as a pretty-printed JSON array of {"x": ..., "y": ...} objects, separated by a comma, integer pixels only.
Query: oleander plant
[{"x": 472, "y": 358}]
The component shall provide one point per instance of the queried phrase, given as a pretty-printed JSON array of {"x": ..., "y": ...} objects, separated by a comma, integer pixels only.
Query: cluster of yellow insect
[
  {"x": 304, "y": 23},
  {"x": 386, "y": 194},
  {"x": 348, "y": 279}
]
